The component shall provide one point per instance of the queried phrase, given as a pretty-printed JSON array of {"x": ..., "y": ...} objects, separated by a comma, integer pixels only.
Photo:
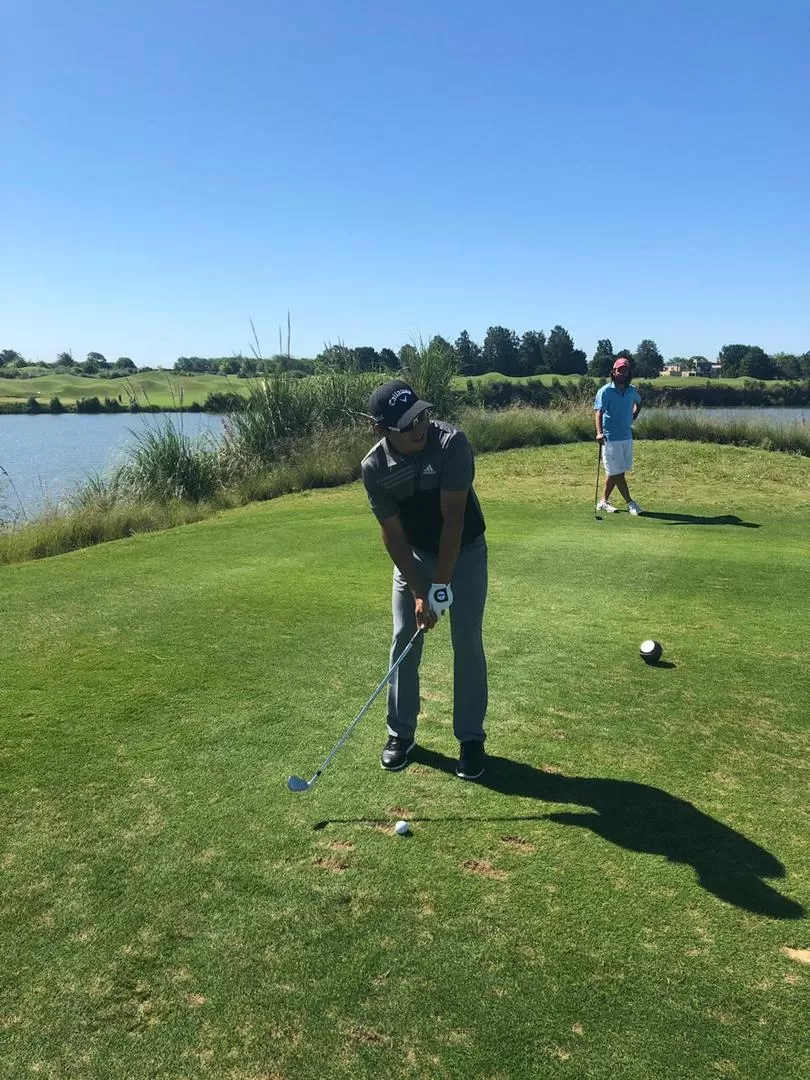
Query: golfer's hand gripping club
[
  {"x": 426, "y": 617},
  {"x": 440, "y": 597}
]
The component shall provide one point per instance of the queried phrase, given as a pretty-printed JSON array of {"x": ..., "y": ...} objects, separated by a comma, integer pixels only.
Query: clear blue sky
[{"x": 384, "y": 171}]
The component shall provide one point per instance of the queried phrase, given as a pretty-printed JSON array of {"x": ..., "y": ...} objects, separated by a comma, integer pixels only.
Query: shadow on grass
[
  {"x": 641, "y": 818},
  {"x": 692, "y": 519}
]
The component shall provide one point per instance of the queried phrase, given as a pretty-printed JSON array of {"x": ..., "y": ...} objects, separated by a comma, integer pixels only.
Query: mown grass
[{"x": 625, "y": 896}]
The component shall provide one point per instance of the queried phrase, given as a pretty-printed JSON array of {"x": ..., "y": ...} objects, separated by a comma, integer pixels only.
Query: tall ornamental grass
[
  {"x": 430, "y": 369},
  {"x": 762, "y": 434},
  {"x": 166, "y": 464},
  {"x": 506, "y": 429},
  {"x": 283, "y": 412},
  {"x": 59, "y": 531}
]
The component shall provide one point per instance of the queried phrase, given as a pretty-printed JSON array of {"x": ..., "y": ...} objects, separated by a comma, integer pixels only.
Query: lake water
[{"x": 47, "y": 456}]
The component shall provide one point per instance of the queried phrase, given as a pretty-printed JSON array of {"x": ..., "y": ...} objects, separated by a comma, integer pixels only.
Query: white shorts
[{"x": 617, "y": 457}]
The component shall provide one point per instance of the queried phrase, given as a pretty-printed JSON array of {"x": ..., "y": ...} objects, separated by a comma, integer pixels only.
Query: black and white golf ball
[{"x": 650, "y": 651}]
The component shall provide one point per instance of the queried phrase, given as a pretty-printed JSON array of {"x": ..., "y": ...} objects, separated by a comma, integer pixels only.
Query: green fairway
[
  {"x": 164, "y": 389},
  {"x": 625, "y": 897}
]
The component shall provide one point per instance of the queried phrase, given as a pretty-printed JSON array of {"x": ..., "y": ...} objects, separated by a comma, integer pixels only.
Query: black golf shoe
[
  {"x": 470, "y": 760},
  {"x": 395, "y": 753}
]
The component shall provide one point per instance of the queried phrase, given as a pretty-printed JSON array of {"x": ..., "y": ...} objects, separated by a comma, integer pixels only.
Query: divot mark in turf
[
  {"x": 288, "y": 1033},
  {"x": 485, "y": 867},
  {"x": 578, "y": 1029},
  {"x": 340, "y": 845},
  {"x": 517, "y": 843},
  {"x": 367, "y": 1036},
  {"x": 801, "y": 956},
  {"x": 327, "y": 862},
  {"x": 559, "y": 1052},
  {"x": 456, "y": 1038},
  {"x": 721, "y": 1017}
]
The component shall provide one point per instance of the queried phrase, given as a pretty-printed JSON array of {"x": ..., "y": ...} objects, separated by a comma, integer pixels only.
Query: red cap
[{"x": 622, "y": 362}]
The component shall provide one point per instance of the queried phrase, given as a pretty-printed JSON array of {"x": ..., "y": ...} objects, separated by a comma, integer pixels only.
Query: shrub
[
  {"x": 166, "y": 464},
  {"x": 282, "y": 410},
  {"x": 430, "y": 369},
  {"x": 223, "y": 402}
]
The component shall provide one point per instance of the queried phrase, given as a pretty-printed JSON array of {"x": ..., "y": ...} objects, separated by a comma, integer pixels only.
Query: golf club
[
  {"x": 598, "y": 517},
  {"x": 297, "y": 783}
]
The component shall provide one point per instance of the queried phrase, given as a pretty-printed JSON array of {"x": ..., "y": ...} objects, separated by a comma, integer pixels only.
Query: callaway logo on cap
[{"x": 395, "y": 404}]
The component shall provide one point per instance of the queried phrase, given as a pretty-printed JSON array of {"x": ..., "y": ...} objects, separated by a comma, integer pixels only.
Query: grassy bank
[
  {"x": 623, "y": 897},
  {"x": 171, "y": 480}
]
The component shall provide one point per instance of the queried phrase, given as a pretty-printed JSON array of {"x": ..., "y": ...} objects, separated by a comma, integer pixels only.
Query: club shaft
[
  {"x": 367, "y": 705},
  {"x": 598, "y": 466}
]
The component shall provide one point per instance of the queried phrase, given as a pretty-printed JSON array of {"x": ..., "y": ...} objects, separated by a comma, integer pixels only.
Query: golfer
[
  {"x": 616, "y": 406},
  {"x": 419, "y": 482}
]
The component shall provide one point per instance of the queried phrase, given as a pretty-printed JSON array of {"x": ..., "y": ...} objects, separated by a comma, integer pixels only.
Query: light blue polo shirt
[{"x": 617, "y": 406}]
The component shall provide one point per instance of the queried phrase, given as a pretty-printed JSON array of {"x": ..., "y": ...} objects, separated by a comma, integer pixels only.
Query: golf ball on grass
[
  {"x": 402, "y": 828},
  {"x": 650, "y": 651}
]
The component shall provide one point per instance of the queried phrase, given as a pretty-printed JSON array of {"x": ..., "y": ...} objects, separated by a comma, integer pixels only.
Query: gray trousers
[{"x": 469, "y": 662}]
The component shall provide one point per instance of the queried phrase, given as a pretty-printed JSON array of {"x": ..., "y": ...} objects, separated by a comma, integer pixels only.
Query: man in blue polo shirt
[
  {"x": 419, "y": 480},
  {"x": 616, "y": 407}
]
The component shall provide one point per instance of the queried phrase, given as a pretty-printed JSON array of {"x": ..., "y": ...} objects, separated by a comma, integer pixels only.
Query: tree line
[
  {"x": 502, "y": 351},
  {"x": 505, "y": 352}
]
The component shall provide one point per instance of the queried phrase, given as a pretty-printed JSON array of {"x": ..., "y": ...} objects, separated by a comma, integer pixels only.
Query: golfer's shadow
[
  {"x": 646, "y": 819},
  {"x": 692, "y": 519}
]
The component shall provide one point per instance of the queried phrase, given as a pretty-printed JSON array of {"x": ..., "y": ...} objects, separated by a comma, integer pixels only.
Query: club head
[{"x": 296, "y": 783}]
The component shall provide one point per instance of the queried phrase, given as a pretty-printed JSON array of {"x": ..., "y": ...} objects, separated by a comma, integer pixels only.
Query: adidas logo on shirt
[{"x": 428, "y": 471}]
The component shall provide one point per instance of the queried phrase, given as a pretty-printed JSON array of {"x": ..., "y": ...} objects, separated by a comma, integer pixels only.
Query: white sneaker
[
  {"x": 634, "y": 508},
  {"x": 606, "y": 507}
]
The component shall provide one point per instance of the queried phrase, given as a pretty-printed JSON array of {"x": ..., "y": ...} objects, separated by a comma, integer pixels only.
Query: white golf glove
[{"x": 440, "y": 598}]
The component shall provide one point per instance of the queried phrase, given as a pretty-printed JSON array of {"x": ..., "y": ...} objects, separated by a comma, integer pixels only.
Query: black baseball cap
[{"x": 395, "y": 404}]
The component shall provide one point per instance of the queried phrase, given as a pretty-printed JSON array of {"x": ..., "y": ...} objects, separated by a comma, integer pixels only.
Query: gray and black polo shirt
[{"x": 411, "y": 485}]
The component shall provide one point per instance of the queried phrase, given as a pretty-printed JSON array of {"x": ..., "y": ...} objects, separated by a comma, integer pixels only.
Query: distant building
[
  {"x": 673, "y": 369},
  {"x": 707, "y": 369}
]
